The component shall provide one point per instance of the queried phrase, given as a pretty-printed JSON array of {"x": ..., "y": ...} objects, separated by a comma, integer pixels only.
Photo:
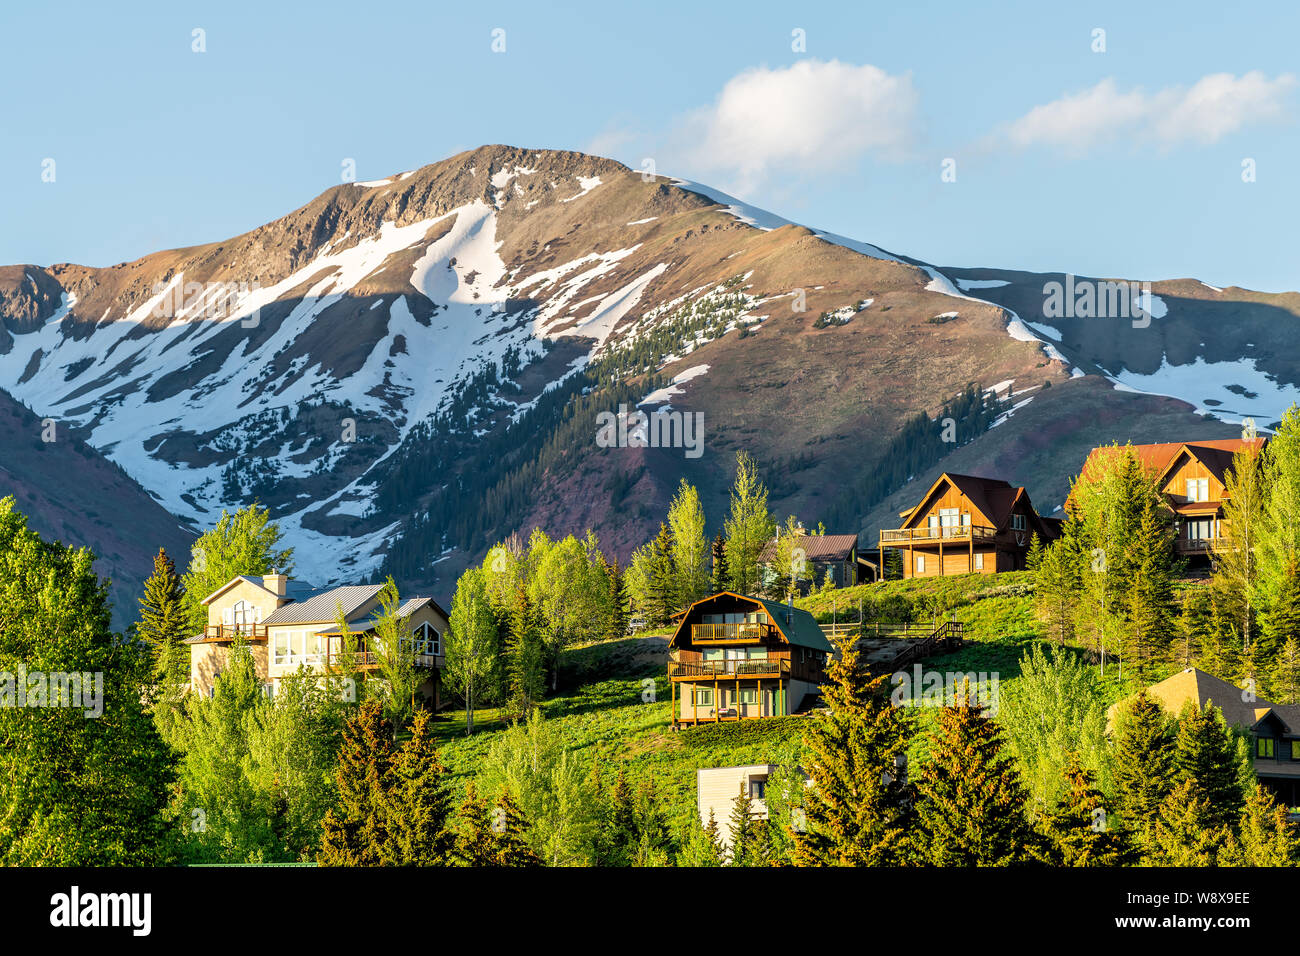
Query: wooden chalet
[
  {"x": 968, "y": 525},
  {"x": 734, "y": 657},
  {"x": 1193, "y": 477}
]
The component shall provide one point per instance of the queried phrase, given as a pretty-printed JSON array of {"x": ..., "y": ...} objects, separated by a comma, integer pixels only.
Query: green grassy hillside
[{"x": 606, "y": 714}]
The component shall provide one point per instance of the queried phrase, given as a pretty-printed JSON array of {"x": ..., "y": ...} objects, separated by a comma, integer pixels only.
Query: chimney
[{"x": 275, "y": 581}]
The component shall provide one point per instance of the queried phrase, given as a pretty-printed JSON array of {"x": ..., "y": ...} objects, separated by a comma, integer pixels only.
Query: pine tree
[
  {"x": 165, "y": 623},
  {"x": 703, "y": 844},
  {"x": 617, "y": 833},
  {"x": 721, "y": 573},
  {"x": 1078, "y": 830},
  {"x": 1149, "y": 601},
  {"x": 1034, "y": 556},
  {"x": 1184, "y": 832},
  {"x": 661, "y": 587},
  {"x": 475, "y": 843},
  {"x": 857, "y": 811},
  {"x": 1206, "y": 756},
  {"x": 510, "y": 832},
  {"x": 618, "y": 600},
  {"x": 1058, "y": 582},
  {"x": 1281, "y": 626},
  {"x": 354, "y": 832},
  {"x": 417, "y": 803},
  {"x": 1264, "y": 835},
  {"x": 743, "y": 829},
  {"x": 971, "y": 804},
  {"x": 1285, "y": 679},
  {"x": 1142, "y": 763}
]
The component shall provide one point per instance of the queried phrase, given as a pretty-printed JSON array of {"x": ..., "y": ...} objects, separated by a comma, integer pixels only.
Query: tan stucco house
[{"x": 289, "y": 624}]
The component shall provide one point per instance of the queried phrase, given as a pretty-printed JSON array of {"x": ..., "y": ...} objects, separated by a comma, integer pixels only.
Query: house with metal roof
[
  {"x": 820, "y": 556},
  {"x": 735, "y": 657},
  {"x": 288, "y": 625}
]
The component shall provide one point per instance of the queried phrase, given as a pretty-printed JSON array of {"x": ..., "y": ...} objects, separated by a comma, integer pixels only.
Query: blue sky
[{"x": 1126, "y": 162}]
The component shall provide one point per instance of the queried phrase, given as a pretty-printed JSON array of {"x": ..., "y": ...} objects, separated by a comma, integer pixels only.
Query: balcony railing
[
  {"x": 743, "y": 631},
  {"x": 1198, "y": 545},
  {"x": 228, "y": 632},
  {"x": 370, "y": 660},
  {"x": 708, "y": 670},
  {"x": 954, "y": 532}
]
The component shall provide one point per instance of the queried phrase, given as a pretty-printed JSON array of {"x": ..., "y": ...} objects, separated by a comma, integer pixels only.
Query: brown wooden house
[
  {"x": 1193, "y": 478},
  {"x": 968, "y": 525},
  {"x": 734, "y": 657},
  {"x": 833, "y": 555}
]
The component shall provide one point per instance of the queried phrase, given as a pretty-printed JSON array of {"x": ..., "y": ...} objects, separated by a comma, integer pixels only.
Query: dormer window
[
  {"x": 1265, "y": 747},
  {"x": 1018, "y": 523}
]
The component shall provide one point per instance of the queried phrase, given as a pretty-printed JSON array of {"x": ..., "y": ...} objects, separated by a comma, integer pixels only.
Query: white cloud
[
  {"x": 811, "y": 116},
  {"x": 1215, "y": 106}
]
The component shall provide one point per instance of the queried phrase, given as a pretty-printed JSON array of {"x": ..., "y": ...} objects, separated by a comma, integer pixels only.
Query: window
[
  {"x": 280, "y": 653},
  {"x": 979, "y": 560},
  {"x": 1295, "y": 749},
  {"x": 427, "y": 640},
  {"x": 757, "y": 653},
  {"x": 1200, "y": 529},
  {"x": 703, "y": 698},
  {"x": 1018, "y": 523},
  {"x": 757, "y": 787},
  {"x": 920, "y": 564},
  {"x": 312, "y": 648},
  {"x": 749, "y": 695},
  {"x": 1198, "y": 489},
  {"x": 948, "y": 517},
  {"x": 1264, "y": 747}
]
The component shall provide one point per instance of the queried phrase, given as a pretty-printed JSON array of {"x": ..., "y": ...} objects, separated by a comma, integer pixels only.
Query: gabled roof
[
  {"x": 294, "y": 590},
  {"x": 800, "y": 629},
  {"x": 408, "y": 607},
  {"x": 321, "y": 607},
  {"x": 1205, "y": 689},
  {"x": 993, "y": 498},
  {"x": 1215, "y": 453},
  {"x": 817, "y": 547}
]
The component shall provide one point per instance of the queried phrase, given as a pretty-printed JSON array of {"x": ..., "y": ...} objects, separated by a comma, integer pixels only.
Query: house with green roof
[{"x": 734, "y": 657}]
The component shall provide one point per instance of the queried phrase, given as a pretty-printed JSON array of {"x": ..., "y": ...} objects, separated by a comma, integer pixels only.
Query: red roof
[{"x": 1215, "y": 453}]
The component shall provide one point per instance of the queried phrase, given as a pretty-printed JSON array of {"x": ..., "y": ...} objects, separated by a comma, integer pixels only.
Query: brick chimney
[{"x": 275, "y": 581}]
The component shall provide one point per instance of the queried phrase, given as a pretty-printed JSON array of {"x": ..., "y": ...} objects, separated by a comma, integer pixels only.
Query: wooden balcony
[
  {"x": 938, "y": 534},
  {"x": 1199, "y": 545},
  {"x": 369, "y": 660},
  {"x": 224, "y": 633},
  {"x": 742, "y": 633},
  {"x": 728, "y": 670}
]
